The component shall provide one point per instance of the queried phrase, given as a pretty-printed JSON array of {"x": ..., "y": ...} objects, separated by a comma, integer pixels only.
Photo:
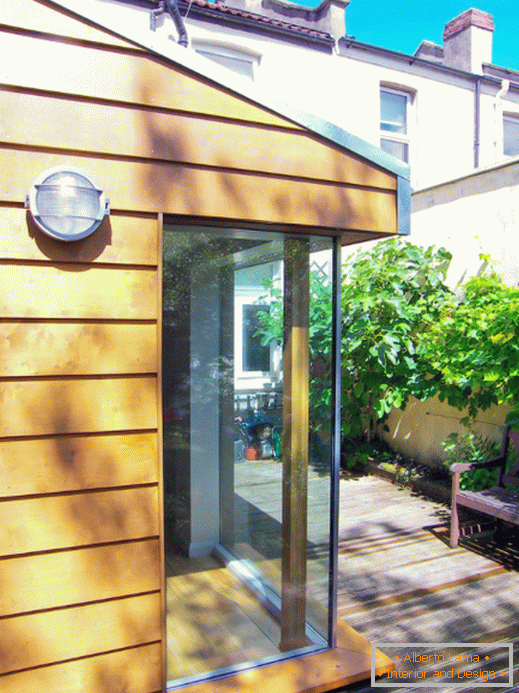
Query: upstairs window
[
  {"x": 241, "y": 62},
  {"x": 394, "y": 131},
  {"x": 511, "y": 135}
]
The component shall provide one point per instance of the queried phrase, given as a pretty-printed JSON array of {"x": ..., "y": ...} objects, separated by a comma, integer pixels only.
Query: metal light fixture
[{"x": 66, "y": 203}]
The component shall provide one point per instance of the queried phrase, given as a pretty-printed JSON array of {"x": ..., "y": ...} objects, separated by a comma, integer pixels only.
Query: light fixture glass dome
[{"x": 67, "y": 203}]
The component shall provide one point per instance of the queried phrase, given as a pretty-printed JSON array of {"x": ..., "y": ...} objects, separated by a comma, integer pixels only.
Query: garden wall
[{"x": 418, "y": 431}]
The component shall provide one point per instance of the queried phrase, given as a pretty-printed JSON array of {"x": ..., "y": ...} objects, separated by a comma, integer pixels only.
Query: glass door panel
[{"x": 248, "y": 439}]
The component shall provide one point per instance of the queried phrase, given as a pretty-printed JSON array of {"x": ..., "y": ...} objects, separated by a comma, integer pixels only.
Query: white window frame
[
  {"x": 250, "y": 295},
  {"x": 400, "y": 138},
  {"x": 511, "y": 118},
  {"x": 240, "y": 302},
  {"x": 213, "y": 50}
]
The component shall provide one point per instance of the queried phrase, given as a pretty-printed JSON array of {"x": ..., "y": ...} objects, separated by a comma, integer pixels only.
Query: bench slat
[{"x": 498, "y": 502}]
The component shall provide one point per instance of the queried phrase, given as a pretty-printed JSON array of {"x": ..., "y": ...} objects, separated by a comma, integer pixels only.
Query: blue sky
[{"x": 401, "y": 24}]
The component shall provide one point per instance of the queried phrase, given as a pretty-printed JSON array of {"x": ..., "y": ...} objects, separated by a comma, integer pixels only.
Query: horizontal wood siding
[
  {"x": 72, "y": 70},
  {"x": 120, "y": 240},
  {"x": 122, "y": 131},
  {"x": 57, "y": 522},
  {"x": 164, "y": 141},
  {"x": 74, "y": 463},
  {"x": 80, "y": 568},
  {"x": 132, "y": 670},
  {"x": 45, "y": 407},
  {"x": 45, "y": 291},
  {"x": 36, "y": 639},
  {"x": 27, "y": 348},
  {"x": 46, "y": 581},
  {"x": 80, "y": 549},
  {"x": 216, "y": 193}
]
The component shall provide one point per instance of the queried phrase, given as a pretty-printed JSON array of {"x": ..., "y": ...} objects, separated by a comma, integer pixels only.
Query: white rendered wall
[
  {"x": 475, "y": 214},
  {"x": 418, "y": 431},
  {"x": 343, "y": 88}
]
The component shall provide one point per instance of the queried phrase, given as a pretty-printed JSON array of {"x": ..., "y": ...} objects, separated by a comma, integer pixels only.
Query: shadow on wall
[
  {"x": 418, "y": 431},
  {"x": 85, "y": 250},
  {"x": 79, "y": 546}
]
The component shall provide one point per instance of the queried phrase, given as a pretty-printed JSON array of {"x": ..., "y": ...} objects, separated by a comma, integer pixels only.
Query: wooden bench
[{"x": 499, "y": 502}]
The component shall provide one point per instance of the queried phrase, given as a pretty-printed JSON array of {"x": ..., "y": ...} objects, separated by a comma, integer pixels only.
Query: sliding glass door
[{"x": 248, "y": 392}]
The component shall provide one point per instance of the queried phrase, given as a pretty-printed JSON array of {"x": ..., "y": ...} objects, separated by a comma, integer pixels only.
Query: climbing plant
[{"x": 391, "y": 294}]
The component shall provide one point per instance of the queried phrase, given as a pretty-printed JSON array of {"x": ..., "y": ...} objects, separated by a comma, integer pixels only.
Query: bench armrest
[{"x": 467, "y": 466}]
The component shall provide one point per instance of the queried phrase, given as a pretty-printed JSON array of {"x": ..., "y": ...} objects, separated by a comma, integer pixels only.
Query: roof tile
[{"x": 234, "y": 11}]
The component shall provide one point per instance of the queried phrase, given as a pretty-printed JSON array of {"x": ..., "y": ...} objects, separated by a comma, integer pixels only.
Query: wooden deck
[{"x": 400, "y": 582}]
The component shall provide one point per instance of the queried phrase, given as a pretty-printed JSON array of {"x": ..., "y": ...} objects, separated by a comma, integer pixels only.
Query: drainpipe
[
  {"x": 477, "y": 121},
  {"x": 171, "y": 7}
]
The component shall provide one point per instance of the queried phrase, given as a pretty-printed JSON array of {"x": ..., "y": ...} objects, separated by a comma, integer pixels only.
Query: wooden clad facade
[{"x": 81, "y": 577}]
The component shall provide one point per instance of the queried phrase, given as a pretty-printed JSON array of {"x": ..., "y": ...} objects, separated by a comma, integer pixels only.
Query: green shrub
[
  {"x": 392, "y": 294},
  {"x": 471, "y": 447}
]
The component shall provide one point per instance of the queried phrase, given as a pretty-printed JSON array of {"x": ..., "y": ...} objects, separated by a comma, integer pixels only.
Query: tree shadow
[{"x": 406, "y": 586}]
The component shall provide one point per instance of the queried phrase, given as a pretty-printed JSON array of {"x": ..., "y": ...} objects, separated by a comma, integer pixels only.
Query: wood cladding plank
[
  {"x": 55, "y": 522},
  {"x": 85, "y": 71},
  {"x": 76, "y": 463},
  {"x": 50, "y": 407},
  {"x": 36, "y": 349},
  {"x": 45, "y": 638},
  {"x": 178, "y": 189},
  {"x": 135, "y": 670},
  {"x": 38, "y": 16},
  {"x": 119, "y": 240},
  {"x": 353, "y": 237},
  {"x": 116, "y": 130},
  {"x": 68, "y": 291},
  {"x": 48, "y": 581}
]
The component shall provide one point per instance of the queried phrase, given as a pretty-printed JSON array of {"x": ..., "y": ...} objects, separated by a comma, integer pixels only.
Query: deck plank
[{"x": 399, "y": 581}]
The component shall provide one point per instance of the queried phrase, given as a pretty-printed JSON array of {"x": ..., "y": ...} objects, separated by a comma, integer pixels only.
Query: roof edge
[
  {"x": 248, "y": 21},
  {"x": 187, "y": 59},
  {"x": 475, "y": 173},
  {"x": 350, "y": 42}
]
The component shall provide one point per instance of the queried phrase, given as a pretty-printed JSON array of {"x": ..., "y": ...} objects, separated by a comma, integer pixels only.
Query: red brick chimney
[{"x": 467, "y": 41}]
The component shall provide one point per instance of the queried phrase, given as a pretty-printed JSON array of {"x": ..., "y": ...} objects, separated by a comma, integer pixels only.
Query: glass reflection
[{"x": 247, "y": 383}]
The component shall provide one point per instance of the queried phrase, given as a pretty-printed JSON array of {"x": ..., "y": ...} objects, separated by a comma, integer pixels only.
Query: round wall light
[{"x": 66, "y": 203}]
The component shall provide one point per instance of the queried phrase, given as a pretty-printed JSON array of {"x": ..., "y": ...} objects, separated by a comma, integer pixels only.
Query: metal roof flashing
[{"x": 131, "y": 23}]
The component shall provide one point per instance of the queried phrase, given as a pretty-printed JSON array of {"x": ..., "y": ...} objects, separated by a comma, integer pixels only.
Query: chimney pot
[
  {"x": 467, "y": 41},
  {"x": 471, "y": 17}
]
